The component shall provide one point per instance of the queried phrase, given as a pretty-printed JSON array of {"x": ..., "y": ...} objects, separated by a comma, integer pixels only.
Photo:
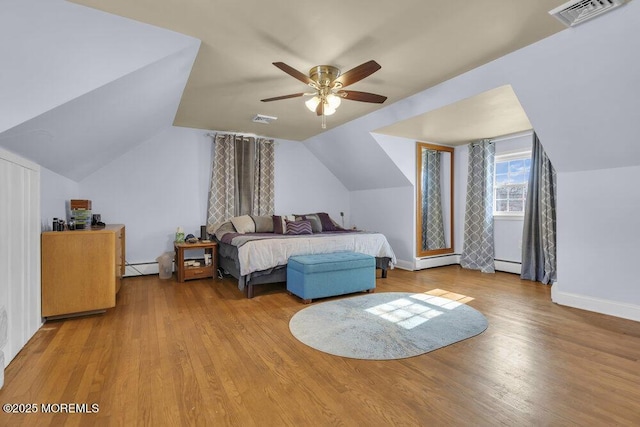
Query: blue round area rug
[{"x": 385, "y": 326}]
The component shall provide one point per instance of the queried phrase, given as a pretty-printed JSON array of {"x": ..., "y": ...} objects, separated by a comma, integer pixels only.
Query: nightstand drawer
[{"x": 198, "y": 272}]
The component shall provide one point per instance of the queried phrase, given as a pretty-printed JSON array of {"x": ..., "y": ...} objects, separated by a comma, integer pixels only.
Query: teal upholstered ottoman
[{"x": 325, "y": 275}]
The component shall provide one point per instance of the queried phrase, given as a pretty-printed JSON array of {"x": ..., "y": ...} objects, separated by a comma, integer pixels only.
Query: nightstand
[{"x": 202, "y": 271}]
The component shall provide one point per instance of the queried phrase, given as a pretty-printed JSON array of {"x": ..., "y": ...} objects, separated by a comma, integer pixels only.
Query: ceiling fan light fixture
[
  {"x": 333, "y": 101},
  {"x": 328, "y": 82},
  {"x": 328, "y": 111},
  {"x": 312, "y": 103}
]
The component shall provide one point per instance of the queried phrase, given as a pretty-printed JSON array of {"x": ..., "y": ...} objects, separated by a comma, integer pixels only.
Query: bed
[{"x": 255, "y": 250}]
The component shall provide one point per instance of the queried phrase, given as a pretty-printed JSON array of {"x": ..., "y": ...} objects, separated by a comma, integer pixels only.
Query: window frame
[{"x": 505, "y": 157}]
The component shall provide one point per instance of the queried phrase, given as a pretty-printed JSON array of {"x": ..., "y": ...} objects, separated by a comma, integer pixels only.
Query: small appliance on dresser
[{"x": 80, "y": 213}]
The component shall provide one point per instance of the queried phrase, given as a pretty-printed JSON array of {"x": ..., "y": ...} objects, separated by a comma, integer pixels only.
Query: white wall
[
  {"x": 156, "y": 187},
  {"x": 304, "y": 185},
  {"x": 56, "y": 191},
  {"x": 164, "y": 182},
  {"x": 598, "y": 242},
  {"x": 388, "y": 211}
]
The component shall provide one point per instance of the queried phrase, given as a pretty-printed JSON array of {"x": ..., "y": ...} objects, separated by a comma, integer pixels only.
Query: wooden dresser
[{"x": 82, "y": 270}]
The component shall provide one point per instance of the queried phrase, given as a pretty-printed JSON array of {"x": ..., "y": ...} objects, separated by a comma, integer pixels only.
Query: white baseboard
[
  {"x": 598, "y": 305},
  {"x": 404, "y": 265},
  {"x": 437, "y": 261},
  {"x": 508, "y": 266}
]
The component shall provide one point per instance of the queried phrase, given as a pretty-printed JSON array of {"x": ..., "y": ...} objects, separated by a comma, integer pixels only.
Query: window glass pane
[
  {"x": 502, "y": 192},
  {"x": 516, "y": 192},
  {"x": 516, "y": 206},
  {"x": 516, "y": 166},
  {"x": 502, "y": 178},
  {"x": 518, "y": 178},
  {"x": 511, "y": 184}
]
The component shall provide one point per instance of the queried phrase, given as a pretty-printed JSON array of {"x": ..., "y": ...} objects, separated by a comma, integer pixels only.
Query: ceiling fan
[{"x": 328, "y": 83}]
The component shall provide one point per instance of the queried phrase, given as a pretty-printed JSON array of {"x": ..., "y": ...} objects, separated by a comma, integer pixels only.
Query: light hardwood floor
[{"x": 199, "y": 353}]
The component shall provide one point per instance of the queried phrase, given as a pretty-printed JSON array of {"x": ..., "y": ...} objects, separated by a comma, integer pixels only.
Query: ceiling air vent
[
  {"x": 261, "y": 118},
  {"x": 577, "y": 11}
]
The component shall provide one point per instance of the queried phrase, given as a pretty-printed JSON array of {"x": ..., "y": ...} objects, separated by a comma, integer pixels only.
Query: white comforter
[{"x": 257, "y": 255}]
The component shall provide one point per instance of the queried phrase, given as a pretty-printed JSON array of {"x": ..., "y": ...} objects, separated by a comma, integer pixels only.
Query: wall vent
[
  {"x": 261, "y": 118},
  {"x": 577, "y": 11}
]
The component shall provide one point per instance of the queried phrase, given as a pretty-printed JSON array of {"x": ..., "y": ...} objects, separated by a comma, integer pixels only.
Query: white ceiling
[
  {"x": 489, "y": 114},
  {"x": 418, "y": 43}
]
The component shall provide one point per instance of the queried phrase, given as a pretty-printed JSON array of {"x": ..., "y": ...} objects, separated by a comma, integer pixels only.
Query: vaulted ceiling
[
  {"x": 418, "y": 43},
  {"x": 80, "y": 87}
]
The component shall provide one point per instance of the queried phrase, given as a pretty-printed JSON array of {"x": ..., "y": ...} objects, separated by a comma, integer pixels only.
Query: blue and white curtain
[
  {"x": 478, "y": 247},
  {"x": 539, "y": 234},
  {"x": 242, "y": 178},
  {"x": 432, "y": 222}
]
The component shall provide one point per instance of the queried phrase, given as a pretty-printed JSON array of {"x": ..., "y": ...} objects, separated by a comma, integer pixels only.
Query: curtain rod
[
  {"x": 244, "y": 134},
  {"x": 511, "y": 136}
]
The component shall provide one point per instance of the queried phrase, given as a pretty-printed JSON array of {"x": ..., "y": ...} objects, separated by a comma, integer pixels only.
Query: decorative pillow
[
  {"x": 298, "y": 227},
  {"x": 327, "y": 223},
  {"x": 316, "y": 224},
  {"x": 244, "y": 224},
  {"x": 264, "y": 224},
  {"x": 279, "y": 225},
  {"x": 226, "y": 227}
]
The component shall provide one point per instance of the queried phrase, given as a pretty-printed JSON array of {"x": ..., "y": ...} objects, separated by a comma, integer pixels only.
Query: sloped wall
[
  {"x": 85, "y": 87},
  {"x": 86, "y": 49}
]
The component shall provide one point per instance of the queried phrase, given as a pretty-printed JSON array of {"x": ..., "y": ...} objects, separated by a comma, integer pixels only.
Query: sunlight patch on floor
[
  {"x": 411, "y": 313},
  {"x": 463, "y": 299}
]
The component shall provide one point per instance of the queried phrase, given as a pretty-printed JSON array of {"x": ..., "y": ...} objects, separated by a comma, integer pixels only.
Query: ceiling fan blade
[
  {"x": 354, "y": 95},
  {"x": 277, "y": 98},
  {"x": 294, "y": 73},
  {"x": 356, "y": 74}
]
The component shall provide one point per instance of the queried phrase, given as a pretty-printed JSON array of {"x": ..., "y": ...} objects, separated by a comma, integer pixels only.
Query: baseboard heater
[
  {"x": 450, "y": 259},
  {"x": 142, "y": 269},
  {"x": 508, "y": 266}
]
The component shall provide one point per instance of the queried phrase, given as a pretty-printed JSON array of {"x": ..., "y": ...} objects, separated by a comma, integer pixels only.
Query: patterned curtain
[
  {"x": 245, "y": 155},
  {"x": 539, "y": 234},
  {"x": 263, "y": 187},
  {"x": 242, "y": 180},
  {"x": 478, "y": 250},
  {"x": 222, "y": 187},
  {"x": 432, "y": 224}
]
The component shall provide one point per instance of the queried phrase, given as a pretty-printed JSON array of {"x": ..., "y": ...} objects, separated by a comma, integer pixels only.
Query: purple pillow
[
  {"x": 298, "y": 227},
  {"x": 327, "y": 223}
]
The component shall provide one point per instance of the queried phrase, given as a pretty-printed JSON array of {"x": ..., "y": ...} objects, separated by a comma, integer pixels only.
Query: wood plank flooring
[{"x": 199, "y": 353}]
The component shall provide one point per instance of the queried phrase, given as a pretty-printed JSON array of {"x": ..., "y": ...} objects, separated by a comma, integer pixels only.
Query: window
[{"x": 510, "y": 184}]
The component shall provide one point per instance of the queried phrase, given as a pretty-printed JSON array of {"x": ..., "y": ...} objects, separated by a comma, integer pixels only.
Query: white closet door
[{"x": 19, "y": 252}]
